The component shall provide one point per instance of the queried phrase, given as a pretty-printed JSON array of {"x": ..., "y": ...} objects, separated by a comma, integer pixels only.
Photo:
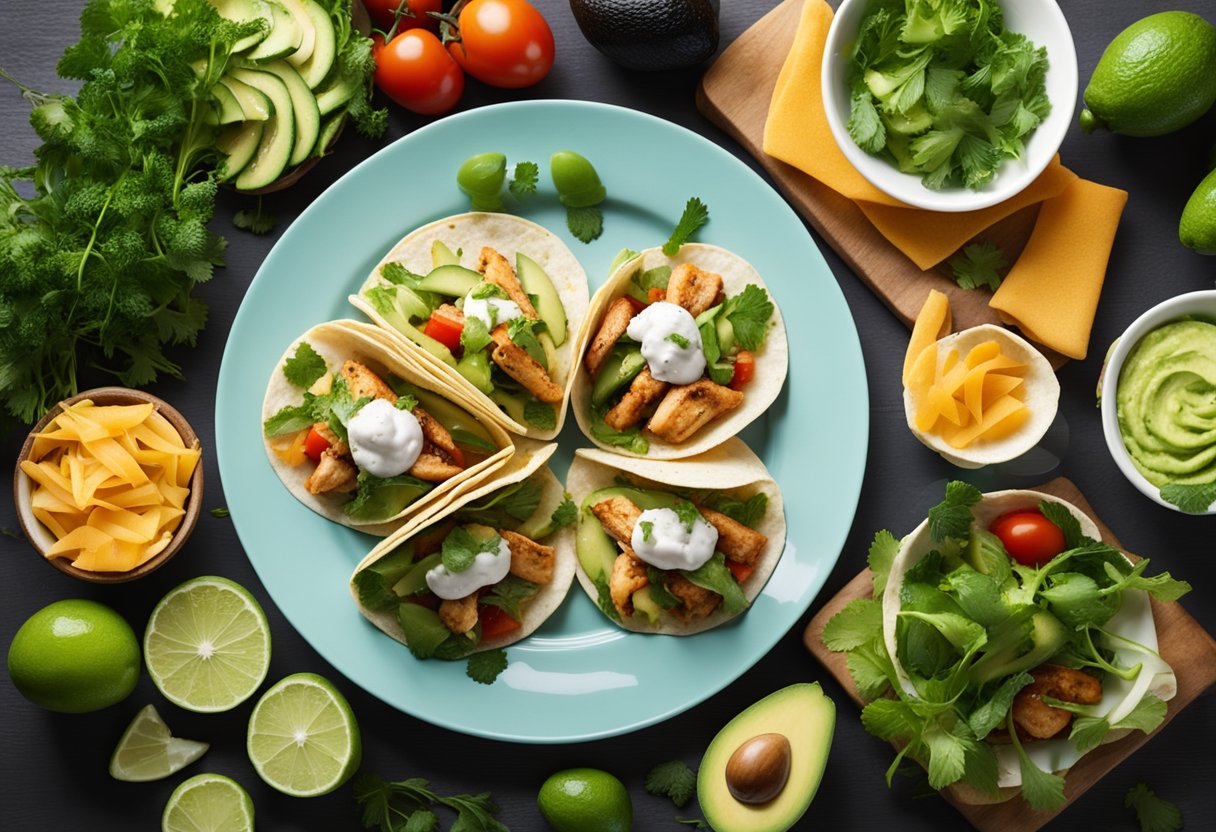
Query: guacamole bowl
[{"x": 1157, "y": 377}]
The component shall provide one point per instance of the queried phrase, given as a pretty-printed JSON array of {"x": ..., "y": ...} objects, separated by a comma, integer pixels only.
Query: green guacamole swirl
[{"x": 1166, "y": 404}]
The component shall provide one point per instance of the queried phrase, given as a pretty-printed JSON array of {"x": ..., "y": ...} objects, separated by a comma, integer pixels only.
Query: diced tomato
[
  {"x": 495, "y": 621},
  {"x": 654, "y": 294},
  {"x": 741, "y": 571},
  {"x": 315, "y": 444},
  {"x": 637, "y": 305},
  {"x": 444, "y": 330},
  {"x": 745, "y": 370}
]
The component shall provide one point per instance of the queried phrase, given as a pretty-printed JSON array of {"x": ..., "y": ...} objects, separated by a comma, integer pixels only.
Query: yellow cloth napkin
[{"x": 1051, "y": 294}]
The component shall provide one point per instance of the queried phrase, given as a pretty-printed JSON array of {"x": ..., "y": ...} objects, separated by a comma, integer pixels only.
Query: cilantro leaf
[
  {"x": 749, "y": 313},
  {"x": 630, "y": 438},
  {"x": 421, "y": 820},
  {"x": 475, "y": 336},
  {"x": 257, "y": 221},
  {"x": 397, "y": 274},
  {"x": 220, "y": 512},
  {"x": 695, "y": 215},
  {"x": 979, "y": 264},
  {"x": 523, "y": 180},
  {"x": 540, "y": 415},
  {"x": 509, "y": 595},
  {"x": 603, "y": 597},
  {"x": 891, "y": 719},
  {"x": 460, "y": 548},
  {"x": 485, "y": 666},
  {"x": 865, "y": 125},
  {"x": 507, "y": 506},
  {"x": 716, "y": 577},
  {"x": 1193, "y": 499},
  {"x": 990, "y": 714},
  {"x": 289, "y": 419},
  {"x": 405, "y": 402},
  {"x": 947, "y": 755},
  {"x": 679, "y": 340},
  {"x": 672, "y": 779},
  {"x": 1042, "y": 790},
  {"x": 647, "y": 529},
  {"x": 882, "y": 554},
  {"x": 658, "y": 589},
  {"x": 871, "y": 670},
  {"x": 564, "y": 515},
  {"x": 687, "y": 513},
  {"x": 522, "y": 332},
  {"x": 857, "y": 624},
  {"x": 952, "y": 518},
  {"x": 586, "y": 224},
  {"x": 305, "y": 366},
  {"x": 1153, "y": 813},
  {"x": 749, "y": 512}
]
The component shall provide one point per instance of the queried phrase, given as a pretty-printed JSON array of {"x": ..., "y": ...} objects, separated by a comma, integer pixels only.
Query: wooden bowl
[{"x": 41, "y": 537}]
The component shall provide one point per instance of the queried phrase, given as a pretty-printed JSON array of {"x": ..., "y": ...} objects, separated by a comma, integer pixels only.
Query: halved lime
[
  {"x": 208, "y": 803},
  {"x": 147, "y": 751},
  {"x": 207, "y": 645},
  {"x": 303, "y": 738}
]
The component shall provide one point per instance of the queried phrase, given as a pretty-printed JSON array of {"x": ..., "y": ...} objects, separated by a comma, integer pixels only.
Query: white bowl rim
[
  {"x": 1167, "y": 311},
  {"x": 957, "y": 200}
]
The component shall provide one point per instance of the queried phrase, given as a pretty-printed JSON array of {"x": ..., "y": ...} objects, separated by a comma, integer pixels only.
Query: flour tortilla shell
[
  {"x": 772, "y": 360},
  {"x": 529, "y": 460},
  {"x": 507, "y": 234},
  {"x": 730, "y": 467},
  {"x": 336, "y": 342}
]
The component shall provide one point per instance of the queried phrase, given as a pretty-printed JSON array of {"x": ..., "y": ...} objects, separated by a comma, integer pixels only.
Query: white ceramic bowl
[
  {"x": 1042, "y": 22},
  {"x": 1193, "y": 304}
]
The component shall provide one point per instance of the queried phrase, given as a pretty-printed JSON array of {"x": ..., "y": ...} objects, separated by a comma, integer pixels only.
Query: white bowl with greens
[{"x": 967, "y": 116}]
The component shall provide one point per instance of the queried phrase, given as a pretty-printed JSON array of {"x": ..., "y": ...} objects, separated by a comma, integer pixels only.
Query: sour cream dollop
[
  {"x": 671, "y": 343},
  {"x": 504, "y": 310},
  {"x": 383, "y": 440},
  {"x": 669, "y": 544},
  {"x": 487, "y": 569}
]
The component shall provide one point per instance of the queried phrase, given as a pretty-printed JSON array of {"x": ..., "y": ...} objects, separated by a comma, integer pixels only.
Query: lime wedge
[
  {"x": 147, "y": 751},
  {"x": 207, "y": 646},
  {"x": 208, "y": 803},
  {"x": 303, "y": 738}
]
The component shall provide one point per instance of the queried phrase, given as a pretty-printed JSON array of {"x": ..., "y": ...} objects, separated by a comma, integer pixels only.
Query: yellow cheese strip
[
  {"x": 983, "y": 352},
  {"x": 45, "y": 445},
  {"x": 173, "y": 495},
  {"x": 52, "y": 522},
  {"x": 113, "y": 557},
  {"x": 155, "y": 547},
  {"x": 159, "y": 425},
  {"x": 112, "y": 455},
  {"x": 1003, "y": 409},
  {"x": 126, "y": 497},
  {"x": 186, "y": 463},
  {"x": 998, "y": 384},
  {"x": 126, "y": 526},
  {"x": 152, "y": 440},
  {"x": 933, "y": 323},
  {"x": 82, "y": 537},
  {"x": 110, "y": 420},
  {"x": 47, "y": 475},
  {"x": 973, "y": 386}
]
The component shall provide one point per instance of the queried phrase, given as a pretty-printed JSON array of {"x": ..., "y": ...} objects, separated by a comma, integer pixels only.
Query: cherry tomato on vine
[
  {"x": 1029, "y": 537},
  {"x": 382, "y": 14},
  {"x": 416, "y": 71},
  {"x": 503, "y": 43}
]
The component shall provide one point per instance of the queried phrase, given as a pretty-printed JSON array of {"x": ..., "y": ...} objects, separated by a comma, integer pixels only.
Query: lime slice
[
  {"x": 303, "y": 738},
  {"x": 208, "y": 803},
  {"x": 147, "y": 751},
  {"x": 207, "y": 645}
]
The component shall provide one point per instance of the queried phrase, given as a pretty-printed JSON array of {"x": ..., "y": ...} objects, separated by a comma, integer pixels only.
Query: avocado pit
[{"x": 759, "y": 768}]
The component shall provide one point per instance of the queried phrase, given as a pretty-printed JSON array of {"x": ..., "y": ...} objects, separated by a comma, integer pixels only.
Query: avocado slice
[
  {"x": 548, "y": 303},
  {"x": 454, "y": 281},
  {"x": 278, "y": 135},
  {"x": 303, "y": 109},
  {"x": 317, "y": 67},
  {"x": 441, "y": 255},
  {"x": 807, "y": 719}
]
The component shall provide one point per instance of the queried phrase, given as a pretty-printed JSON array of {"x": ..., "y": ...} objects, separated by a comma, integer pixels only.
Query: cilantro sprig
[
  {"x": 1153, "y": 813},
  {"x": 409, "y": 806},
  {"x": 979, "y": 264},
  {"x": 673, "y": 779},
  {"x": 695, "y": 215}
]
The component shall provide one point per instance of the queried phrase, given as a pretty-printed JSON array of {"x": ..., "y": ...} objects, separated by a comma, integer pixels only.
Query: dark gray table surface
[{"x": 53, "y": 766}]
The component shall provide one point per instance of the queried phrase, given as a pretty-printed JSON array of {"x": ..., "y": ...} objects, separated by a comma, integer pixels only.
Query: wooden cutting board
[
  {"x": 1187, "y": 647},
  {"x": 734, "y": 93}
]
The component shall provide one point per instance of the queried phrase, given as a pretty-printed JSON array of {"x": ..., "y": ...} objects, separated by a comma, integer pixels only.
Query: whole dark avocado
[{"x": 650, "y": 35}]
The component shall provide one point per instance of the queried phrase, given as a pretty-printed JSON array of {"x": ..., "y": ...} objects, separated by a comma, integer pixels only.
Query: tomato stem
[{"x": 403, "y": 10}]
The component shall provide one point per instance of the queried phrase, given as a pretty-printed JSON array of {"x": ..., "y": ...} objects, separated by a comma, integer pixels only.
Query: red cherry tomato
[
  {"x": 1029, "y": 537},
  {"x": 495, "y": 621},
  {"x": 745, "y": 370},
  {"x": 444, "y": 330},
  {"x": 740, "y": 571},
  {"x": 416, "y": 71},
  {"x": 315, "y": 444},
  {"x": 382, "y": 14},
  {"x": 504, "y": 43}
]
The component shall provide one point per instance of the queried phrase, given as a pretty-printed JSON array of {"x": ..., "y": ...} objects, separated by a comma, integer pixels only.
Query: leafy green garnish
[
  {"x": 406, "y": 806},
  {"x": 647, "y": 529},
  {"x": 219, "y": 512},
  {"x": 564, "y": 515},
  {"x": 256, "y": 221},
  {"x": 695, "y": 215},
  {"x": 486, "y": 289},
  {"x": 748, "y": 312},
  {"x": 508, "y": 506},
  {"x": 540, "y": 415},
  {"x": 586, "y": 224},
  {"x": 484, "y": 667},
  {"x": 509, "y": 595},
  {"x": 749, "y": 512},
  {"x": 653, "y": 278},
  {"x": 397, "y": 274},
  {"x": 630, "y": 438},
  {"x": 381, "y": 498},
  {"x": 603, "y": 597},
  {"x": 1042, "y": 790},
  {"x": 522, "y": 332},
  {"x": 672, "y": 779},
  {"x": 658, "y": 590},
  {"x": 687, "y": 513},
  {"x": 406, "y": 402},
  {"x": 1193, "y": 499},
  {"x": 460, "y": 548},
  {"x": 979, "y": 264},
  {"x": 858, "y": 623},
  {"x": 716, "y": 577},
  {"x": 475, "y": 336},
  {"x": 523, "y": 180},
  {"x": 951, "y": 518},
  {"x": 679, "y": 340},
  {"x": 1153, "y": 813},
  {"x": 305, "y": 366},
  {"x": 883, "y": 550}
]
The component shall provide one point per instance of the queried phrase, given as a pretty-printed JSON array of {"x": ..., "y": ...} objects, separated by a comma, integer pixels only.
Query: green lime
[
  {"x": 208, "y": 803},
  {"x": 147, "y": 751},
  {"x": 303, "y": 739},
  {"x": 585, "y": 800},
  {"x": 74, "y": 656},
  {"x": 1197, "y": 228},
  {"x": 207, "y": 645},
  {"x": 1156, "y": 76}
]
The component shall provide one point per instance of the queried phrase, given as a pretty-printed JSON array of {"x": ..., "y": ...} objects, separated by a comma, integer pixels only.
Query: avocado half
[
  {"x": 807, "y": 718},
  {"x": 650, "y": 35}
]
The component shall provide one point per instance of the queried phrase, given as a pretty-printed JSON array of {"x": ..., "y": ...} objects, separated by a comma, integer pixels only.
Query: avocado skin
[{"x": 650, "y": 35}]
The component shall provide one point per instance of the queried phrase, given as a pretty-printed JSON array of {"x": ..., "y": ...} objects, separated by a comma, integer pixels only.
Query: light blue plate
[{"x": 578, "y": 677}]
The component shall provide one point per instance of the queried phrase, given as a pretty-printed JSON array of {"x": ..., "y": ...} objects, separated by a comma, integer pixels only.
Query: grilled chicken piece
[
  {"x": 628, "y": 576},
  {"x": 698, "y": 602},
  {"x": 1039, "y": 720},
  {"x": 618, "y": 515},
  {"x": 688, "y": 408},
  {"x": 435, "y": 433},
  {"x": 452, "y": 313},
  {"x": 643, "y": 391},
  {"x": 616, "y": 321},
  {"x": 693, "y": 288},
  {"x": 430, "y": 467},
  {"x": 498, "y": 271},
  {"x": 530, "y": 560},
  {"x": 522, "y": 367},
  {"x": 363, "y": 383},
  {"x": 459, "y": 616},
  {"x": 735, "y": 540},
  {"x": 334, "y": 472},
  {"x": 339, "y": 447}
]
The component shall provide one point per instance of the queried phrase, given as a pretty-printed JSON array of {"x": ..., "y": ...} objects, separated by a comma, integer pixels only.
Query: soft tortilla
[
  {"x": 1134, "y": 621},
  {"x": 772, "y": 360},
  {"x": 730, "y": 467},
  {"x": 1042, "y": 398},
  {"x": 467, "y": 233},
  {"x": 337, "y": 341},
  {"x": 529, "y": 460}
]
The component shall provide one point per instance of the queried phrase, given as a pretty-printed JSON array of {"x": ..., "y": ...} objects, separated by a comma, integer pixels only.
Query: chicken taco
[
  {"x": 676, "y": 547},
  {"x": 365, "y": 437},
  {"x": 492, "y": 304},
  {"x": 480, "y": 572},
  {"x": 681, "y": 353}
]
